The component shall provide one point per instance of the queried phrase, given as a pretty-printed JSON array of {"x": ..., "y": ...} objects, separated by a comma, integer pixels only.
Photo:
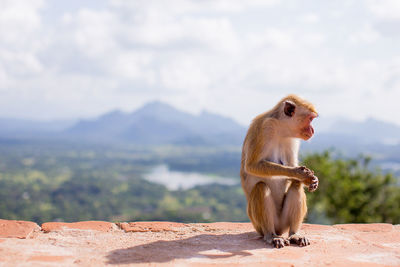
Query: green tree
[{"x": 350, "y": 192}]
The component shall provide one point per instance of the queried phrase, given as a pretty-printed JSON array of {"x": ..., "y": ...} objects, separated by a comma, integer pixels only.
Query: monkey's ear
[{"x": 289, "y": 108}]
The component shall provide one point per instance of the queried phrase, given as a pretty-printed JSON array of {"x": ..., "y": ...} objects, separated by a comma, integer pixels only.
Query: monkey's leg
[
  {"x": 262, "y": 213},
  {"x": 293, "y": 212}
]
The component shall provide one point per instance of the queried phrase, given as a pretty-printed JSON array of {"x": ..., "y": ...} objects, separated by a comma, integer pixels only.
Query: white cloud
[
  {"x": 314, "y": 39},
  {"x": 229, "y": 56},
  {"x": 385, "y": 9},
  {"x": 179, "y": 7},
  {"x": 19, "y": 20},
  {"x": 93, "y": 31},
  {"x": 20, "y": 25},
  {"x": 271, "y": 37},
  {"x": 365, "y": 35},
  {"x": 309, "y": 18},
  {"x": 186, "y": 74},
  {"x": 132, "y": 65}
]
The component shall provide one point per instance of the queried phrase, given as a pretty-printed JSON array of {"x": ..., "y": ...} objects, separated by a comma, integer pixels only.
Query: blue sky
[{"x": 69, "y": 59}]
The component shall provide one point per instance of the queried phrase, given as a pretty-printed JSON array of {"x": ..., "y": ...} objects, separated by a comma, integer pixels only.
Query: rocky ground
[{"x": 175, "y": 244}]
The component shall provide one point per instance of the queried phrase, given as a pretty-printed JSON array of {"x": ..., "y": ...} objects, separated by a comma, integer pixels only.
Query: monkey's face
[
  {"x": 299, "y": 119},
  {"x": 305, "y": 129}
]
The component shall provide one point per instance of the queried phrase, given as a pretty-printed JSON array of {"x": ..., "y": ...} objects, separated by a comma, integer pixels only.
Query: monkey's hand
[
  {"x": 306, "y": 176},
  {"x": 314, "y": 185}
]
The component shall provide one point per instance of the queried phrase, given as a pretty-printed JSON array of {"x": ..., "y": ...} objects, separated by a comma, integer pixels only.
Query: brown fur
[
  {"x": 300, "y": 102},
  {"x": 255, "y": 208},
  {"x": 271, "y": 179}
]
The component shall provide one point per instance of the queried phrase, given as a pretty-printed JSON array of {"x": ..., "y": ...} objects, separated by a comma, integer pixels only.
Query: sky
[{"x": 80, "y": 59}]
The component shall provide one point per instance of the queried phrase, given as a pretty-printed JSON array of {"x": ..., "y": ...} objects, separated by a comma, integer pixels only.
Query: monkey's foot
[
  {"x": 299, "y": 240},
  {"x": 280, "y": 242}
]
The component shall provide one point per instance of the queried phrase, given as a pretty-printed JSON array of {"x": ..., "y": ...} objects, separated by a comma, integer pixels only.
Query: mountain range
[{"x": 157, "y": 123}]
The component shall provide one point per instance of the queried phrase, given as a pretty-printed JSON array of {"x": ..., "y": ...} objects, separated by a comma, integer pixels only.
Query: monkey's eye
[{"x": 312, "y": 116}]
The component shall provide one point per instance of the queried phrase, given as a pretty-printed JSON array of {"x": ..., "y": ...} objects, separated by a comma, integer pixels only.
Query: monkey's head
[{"x": 298, "y": 115}]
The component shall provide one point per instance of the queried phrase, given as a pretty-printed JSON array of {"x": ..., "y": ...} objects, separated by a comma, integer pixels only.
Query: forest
[{"x": 72, "y": 182}]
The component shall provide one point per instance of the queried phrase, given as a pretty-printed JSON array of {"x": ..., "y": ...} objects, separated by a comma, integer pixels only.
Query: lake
[{"x": 175, "y": 180}]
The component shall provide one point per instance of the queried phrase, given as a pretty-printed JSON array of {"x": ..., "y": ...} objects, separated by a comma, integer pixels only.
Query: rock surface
[
  {"x": 89, "y": 225},
  {"x": 201, "y": 244},
  {"x": 17, "y": 229}
]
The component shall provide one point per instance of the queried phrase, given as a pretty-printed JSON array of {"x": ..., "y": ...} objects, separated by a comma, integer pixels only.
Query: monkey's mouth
[{"x": 308, "y": 131}]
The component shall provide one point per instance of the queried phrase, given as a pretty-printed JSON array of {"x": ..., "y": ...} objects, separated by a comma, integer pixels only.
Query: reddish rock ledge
[
  {"x": 151, "y": 226},
  {"x": 87, "y": 225},
  {"x": 200, "y": 244},
  {"x": 17, "y": 229}
]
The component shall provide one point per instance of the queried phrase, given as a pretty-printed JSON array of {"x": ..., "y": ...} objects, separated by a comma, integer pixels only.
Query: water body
[{"x": 175, "y": 180}]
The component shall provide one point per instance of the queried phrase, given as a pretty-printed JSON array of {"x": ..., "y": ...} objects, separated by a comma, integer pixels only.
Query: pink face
[
  {"x": 302, "y": 118},
  {"x": 306, "y": 129}
]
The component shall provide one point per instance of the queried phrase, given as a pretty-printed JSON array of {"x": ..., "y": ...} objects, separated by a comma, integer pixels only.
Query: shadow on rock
[{"x": 200, "y": 246}]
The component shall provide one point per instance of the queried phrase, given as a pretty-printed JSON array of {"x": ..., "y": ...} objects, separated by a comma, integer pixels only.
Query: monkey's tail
[{"x": 256, "y": 207}]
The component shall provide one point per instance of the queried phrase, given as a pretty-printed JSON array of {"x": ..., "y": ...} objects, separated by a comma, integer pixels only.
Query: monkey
[{"x": 270, "y": 176}]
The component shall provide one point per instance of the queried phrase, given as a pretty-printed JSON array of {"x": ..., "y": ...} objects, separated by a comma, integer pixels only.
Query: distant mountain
[
  {"x": 370, "y": 136},
  {"x": 369, "y": 131},
  {"x": 158, "y": 123},
  {"x": 24, "y": 128}
]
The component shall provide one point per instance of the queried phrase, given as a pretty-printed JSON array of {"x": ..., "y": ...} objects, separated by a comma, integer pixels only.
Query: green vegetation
[
  {"x": 350, "y": 192},
  {"x": 70, "y": 183},
  {"x": 67, "y": 182}
]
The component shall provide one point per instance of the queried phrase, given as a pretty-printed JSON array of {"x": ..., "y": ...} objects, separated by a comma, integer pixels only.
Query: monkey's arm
[
  {"x": 267, "y": 169},
  {"x": 254, "y": 144}
]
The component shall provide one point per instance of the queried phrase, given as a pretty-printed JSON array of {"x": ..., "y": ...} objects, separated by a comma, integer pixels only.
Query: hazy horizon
[{"x": 96, "y": 116}]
